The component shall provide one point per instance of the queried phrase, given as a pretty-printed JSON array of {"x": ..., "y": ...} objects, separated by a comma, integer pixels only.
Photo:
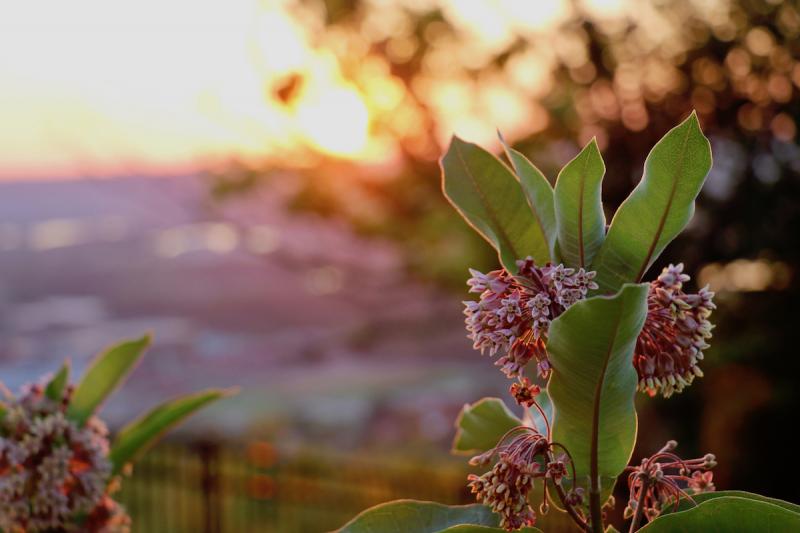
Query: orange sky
[{"x": 103, "y": 87}]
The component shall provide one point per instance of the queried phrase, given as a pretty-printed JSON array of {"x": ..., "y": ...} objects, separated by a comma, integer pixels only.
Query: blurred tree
[{"x": 551, "y": 75}]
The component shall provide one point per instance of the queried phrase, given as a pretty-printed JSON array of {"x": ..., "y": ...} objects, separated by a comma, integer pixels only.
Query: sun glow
[
  {"x": 88, "y": 87},
  {"x": 335, "y": 120}
]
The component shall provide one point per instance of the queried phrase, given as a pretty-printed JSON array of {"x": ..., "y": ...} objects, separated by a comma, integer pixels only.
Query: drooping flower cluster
[
  {"x": 674, "y": 334},
  {"x": 51, "y": 471},
  {"x": 664, "y": 479},
  {"x": 513, "y": 313},
  {"x": 523, "y": 455}
]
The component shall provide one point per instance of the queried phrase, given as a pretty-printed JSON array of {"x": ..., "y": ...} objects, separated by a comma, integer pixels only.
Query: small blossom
[
  {"x": 674, "y": 334},
  {"x": 575, "y": 497},
  {"x": 702, "y": 482},
  {"x": 557, "y": 469},
  {"x": 522, "y": 351},
  {"x": 524, "y": 392},
  {"x": 584, "y": 281}
]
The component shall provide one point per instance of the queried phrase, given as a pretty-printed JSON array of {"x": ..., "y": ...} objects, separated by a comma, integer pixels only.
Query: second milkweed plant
[
  {"x": 59, "y": 469},
  {"x": 570, "y": 320}
]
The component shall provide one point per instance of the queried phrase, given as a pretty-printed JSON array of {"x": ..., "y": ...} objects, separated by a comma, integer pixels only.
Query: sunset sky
[
  {"x": 103, "y": 87},
  {"x": 100, "y": 87}
]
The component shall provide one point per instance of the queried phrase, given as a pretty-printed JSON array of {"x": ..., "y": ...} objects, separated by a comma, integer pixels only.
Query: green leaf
[
  {"x": 490, "y": 198},
  {"x": 579, "y": 207},
  {"x": 728, "y": 514},
  {"x": 658, "y": 208},
  {"x": 480, "y": 425},
  {"x": 106, "y": 372},
  {"x": 136, "y": 437},
  {"x": 594, "y": 383},
  {"x": 402, "y": 516},
  {"x": 685, "y": 504},
  {"x": 537, "y": 191},
  {"x": 55, "y": 388}
]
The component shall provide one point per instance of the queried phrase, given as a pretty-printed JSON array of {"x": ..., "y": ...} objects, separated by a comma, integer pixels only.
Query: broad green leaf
[
  {"x": 464, "y": 528},
  {"x": 728, "y": 514},
  {"x": 136, "y": 437},
  {"x": 658, "y": 208},
  {"x": 579, "y": 207},
  {"x": 490, "y": 198},
  {"x": 480, "y": 425},
  {"x": 594, "y": 383},
  {"x": 403, "y": 516},
  {"x": 55, "y": 388},
  {"x": 106, "y": 372},
  {"x": 685, "y": 504},
  {"x": 538, "y": 192}
]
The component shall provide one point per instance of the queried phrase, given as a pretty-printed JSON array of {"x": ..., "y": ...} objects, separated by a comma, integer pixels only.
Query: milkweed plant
[
  {"x": 58, "y": 468},
  {"x": 568, "y": 318}
]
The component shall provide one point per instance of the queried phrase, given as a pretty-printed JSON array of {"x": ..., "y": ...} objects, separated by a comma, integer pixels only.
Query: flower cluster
[
  {"x": 664, "y": 479},
  {"x": 674, "y": 334},
  {"x": 51, "y": 470},
  {"x": 513, "y": 313},
  {"x": 523, "y": 455}
]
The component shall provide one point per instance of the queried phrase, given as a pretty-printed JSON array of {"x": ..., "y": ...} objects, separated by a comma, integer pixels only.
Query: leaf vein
[
  {"x": 502, "y": 235},
  {"x": 662, "y": 222}
]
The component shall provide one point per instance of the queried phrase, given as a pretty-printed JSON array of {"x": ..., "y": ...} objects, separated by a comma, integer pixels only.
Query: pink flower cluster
[
  {"x": 523, "y": 455},
  {"x": 513, "y": 314},
  {"x": 51, "y": 470},
  {"x": 674, "y": 334},
  {"x": 664, "y": 479}
]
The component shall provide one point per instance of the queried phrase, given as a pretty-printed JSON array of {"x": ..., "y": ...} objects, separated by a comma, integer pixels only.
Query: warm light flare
[
  {"x": 91, "y": 89},
  {"x": 335, "y": 120}
]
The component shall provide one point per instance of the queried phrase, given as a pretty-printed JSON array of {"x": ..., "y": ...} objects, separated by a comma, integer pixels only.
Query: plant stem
[
  {"x": 639, "y": 512},
  {"x": 570, "y": 509},
  {"x": 595, "y": 508},
  {"x": 578, "y": 519}
]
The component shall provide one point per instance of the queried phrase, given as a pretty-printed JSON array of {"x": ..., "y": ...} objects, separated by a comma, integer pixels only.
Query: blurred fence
[{"x": 210, "y": 488}]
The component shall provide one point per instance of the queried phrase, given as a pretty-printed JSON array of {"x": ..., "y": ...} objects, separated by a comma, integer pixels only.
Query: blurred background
[{"x": 256, "y": 182}]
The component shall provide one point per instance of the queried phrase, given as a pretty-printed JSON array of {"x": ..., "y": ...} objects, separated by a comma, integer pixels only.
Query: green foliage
[
  {"x": 106, "y": 373},
  {"x": 590, "y": 395},
  {"x": 480, "y": 425},
  {"x": 136, "y": 437},
  {"x": 728, "y": 514},
  {"x": 425, "y": 517},
  {"x": 55, "y": 387},
  {"x": 594, "y": 383},
  {"x": 538, "y": 192},
  {"x": 658, "y": 208},
  {"x": 579, "y": 207},
  {"x": 490, "y": 198},
  {"x": 685, "y": 504}
]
